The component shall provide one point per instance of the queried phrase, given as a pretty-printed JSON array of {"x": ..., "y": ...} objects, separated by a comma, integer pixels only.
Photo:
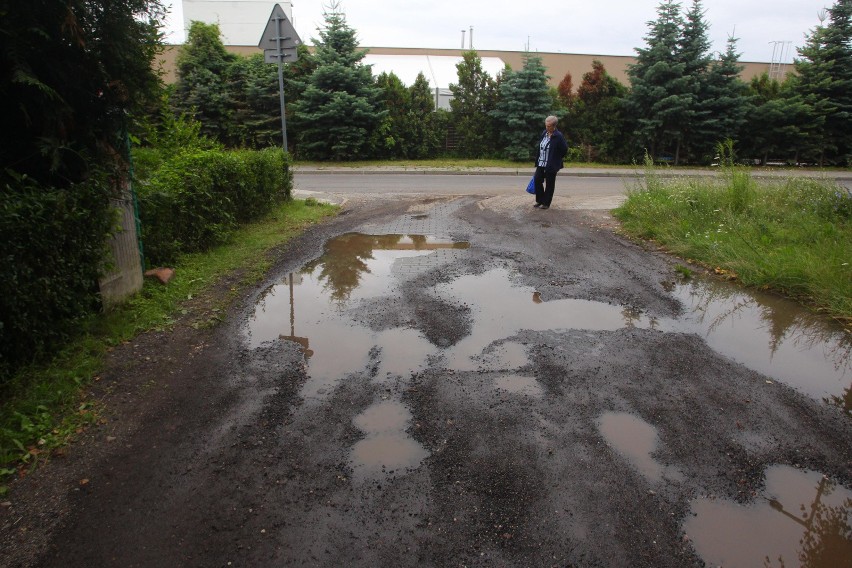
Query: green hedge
[
  {"x": 194, "y": 200},
  {"x": 53, "y": 247}
]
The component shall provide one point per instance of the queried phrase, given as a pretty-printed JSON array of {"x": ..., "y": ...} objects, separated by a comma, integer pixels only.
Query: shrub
[
  {"x": 52, "y": 243},
  {"x": 196, "y": 199}
]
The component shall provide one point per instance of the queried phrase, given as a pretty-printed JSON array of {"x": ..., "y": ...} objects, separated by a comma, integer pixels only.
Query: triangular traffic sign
[{"x": 289, "y": 38}]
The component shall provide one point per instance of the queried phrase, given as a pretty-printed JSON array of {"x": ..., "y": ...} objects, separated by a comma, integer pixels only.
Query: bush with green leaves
[
  {"x": 53, "y": 246},
  {"x": 196, "y": 199}
]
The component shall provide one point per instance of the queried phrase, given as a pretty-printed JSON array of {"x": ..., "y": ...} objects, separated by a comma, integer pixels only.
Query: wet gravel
[{"x": 217, "y": 458}]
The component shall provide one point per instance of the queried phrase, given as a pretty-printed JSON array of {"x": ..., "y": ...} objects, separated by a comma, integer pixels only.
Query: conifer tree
[
  {"x": 474, "y": 97},
  {"x": 425, "y": 139},
  {"x": 659, "y": 97},
  {"x": 394, "y": 137},
  {"x": 202, "y": 90},
  {"x": 340, "y": 109},
  {"x": 825, "y": 83},
  {"x": 723, "y": 101},
  {"x": 523, "y": 104}
]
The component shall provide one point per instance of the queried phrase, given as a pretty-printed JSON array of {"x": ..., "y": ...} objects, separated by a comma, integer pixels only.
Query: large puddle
[
  {"x": 800, "y": 518},
  {"x": 767, "y": 334}
]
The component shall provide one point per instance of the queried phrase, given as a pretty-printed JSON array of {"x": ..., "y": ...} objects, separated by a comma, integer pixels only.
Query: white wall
[{"x": 240, "y": 21}]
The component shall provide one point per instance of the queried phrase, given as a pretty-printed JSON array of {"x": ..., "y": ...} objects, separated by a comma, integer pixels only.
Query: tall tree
[
  {"x": 72, "y": 73},
  {"x": 422, "y": 120},
  {"x": 394, "y": 136},
  {"x": 474, "y": 97},
  {"x": 695, "y": 54},
  {"x": 779, "y": 125},
  {"x": 565, "y": 91},
  {"x": 825, "y": 82},
  {"x": 340, "y": 109},
  {"x": 723, "y": 102},
  {"x": 202, "y": 89},
  {"x": 659, "y": 97},
  {"x": 255, "y": 103},
  {"x": 596, "y": 118},
  {"x": 523, "y": 104}
]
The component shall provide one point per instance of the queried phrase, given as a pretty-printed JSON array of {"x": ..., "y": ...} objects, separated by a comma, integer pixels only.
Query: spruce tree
[
  {"x": 340, "y": 109},
  {"x": 659, "y": 98},
  {"x": 523, "y": 104},
  {"x": 723, "y": 101},
  {"x": 825, "y": 83},
  {"x": 695, "y": 54},
  {"x": 474, "y": 97},
  {"x": 202, "y": 89}
]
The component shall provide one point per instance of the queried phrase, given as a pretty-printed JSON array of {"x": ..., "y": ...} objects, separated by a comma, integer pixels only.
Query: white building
[{"x": 241, "y": 23}]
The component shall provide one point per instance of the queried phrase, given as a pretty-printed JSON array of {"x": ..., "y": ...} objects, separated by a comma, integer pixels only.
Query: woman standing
[{"x": 552, "y": 148}]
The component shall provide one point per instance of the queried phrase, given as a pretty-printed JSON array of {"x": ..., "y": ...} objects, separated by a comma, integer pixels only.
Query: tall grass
[{"x": 792, "y": 235}]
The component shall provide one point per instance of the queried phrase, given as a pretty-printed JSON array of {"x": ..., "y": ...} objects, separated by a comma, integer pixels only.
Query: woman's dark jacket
[{"x": 555, "y": 152}]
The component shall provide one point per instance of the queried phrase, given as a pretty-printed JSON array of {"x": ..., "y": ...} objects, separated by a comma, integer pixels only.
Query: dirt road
[{"x": 461, "y": 381}]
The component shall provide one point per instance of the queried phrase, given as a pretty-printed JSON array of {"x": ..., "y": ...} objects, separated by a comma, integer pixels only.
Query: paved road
[
  {"x": 578, "y": 188},
  {"x": 582, "y": 192}
]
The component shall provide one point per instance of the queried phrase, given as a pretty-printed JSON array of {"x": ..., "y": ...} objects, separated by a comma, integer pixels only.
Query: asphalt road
[{"x": 582, "y": 192}]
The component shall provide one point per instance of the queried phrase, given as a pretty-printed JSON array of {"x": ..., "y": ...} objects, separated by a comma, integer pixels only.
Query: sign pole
[
  {"x": 281, "y": 82},
  {"x": 280, "y": 33}
]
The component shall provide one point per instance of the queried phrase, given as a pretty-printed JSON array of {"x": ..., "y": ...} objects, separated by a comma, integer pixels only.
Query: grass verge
[
  {"x": 44, "y": 405},
  {"x": 792, "y": 235}
]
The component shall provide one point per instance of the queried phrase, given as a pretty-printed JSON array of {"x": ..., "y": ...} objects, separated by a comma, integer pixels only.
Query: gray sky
[{"x": 604, "y": 27}]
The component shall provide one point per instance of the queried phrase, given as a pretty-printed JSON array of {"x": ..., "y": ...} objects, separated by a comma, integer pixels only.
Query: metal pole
[{"x": 279, "y": 39}]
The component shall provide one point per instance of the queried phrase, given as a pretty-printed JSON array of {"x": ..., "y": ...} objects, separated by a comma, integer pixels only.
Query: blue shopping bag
[{"x": 531, "y": 185}]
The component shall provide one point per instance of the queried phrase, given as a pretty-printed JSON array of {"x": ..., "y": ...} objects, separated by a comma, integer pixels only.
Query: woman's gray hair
[{"x": 551, "y": 120}]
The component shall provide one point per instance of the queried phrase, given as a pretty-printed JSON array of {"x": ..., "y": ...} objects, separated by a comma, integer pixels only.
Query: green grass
[
  {"x": 44, "y": 405},
  {"x": 792, "y": 235}
]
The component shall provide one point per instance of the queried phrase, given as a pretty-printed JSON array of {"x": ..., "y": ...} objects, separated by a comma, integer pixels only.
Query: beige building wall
[{"x": 557, "y": 64}]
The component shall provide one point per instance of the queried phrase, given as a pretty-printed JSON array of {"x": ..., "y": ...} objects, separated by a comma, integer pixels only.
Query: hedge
[
  {"x": 194, "y": 200},
  {"x": 53, "y": 248}
]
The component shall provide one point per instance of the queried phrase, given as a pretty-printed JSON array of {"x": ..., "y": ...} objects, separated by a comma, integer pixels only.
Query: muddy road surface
[{"x": 461, "y": 381}]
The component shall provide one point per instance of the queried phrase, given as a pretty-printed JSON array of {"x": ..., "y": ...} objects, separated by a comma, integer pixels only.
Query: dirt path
[{"x": 509, "y": 387}]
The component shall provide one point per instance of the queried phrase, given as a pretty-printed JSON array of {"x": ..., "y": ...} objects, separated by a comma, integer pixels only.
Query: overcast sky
[{"x": 601, "y": 27}]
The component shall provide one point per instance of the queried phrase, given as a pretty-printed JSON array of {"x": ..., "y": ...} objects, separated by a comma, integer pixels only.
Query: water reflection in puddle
[
  {"x": 767, "y": 334},
  {"x": 771, "y": 335},
  {"x": 386, "y": 449},
  {"x": 800, "y": 519},
  {"x": 636, "y": 440}
]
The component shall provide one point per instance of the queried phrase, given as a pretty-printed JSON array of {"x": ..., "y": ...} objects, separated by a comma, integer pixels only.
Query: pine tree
[
  {"x": 825, "y": 83},
  {"x": 340, "y": 109},
  {"x": 474, "y": 97},
  {"x": 524, "y": 103},
  {"x": 659, "y": 97}
]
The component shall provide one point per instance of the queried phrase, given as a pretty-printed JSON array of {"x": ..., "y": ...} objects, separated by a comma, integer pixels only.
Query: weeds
[{"x": 792, "y": 235}]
